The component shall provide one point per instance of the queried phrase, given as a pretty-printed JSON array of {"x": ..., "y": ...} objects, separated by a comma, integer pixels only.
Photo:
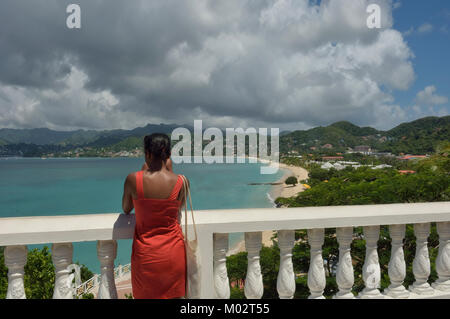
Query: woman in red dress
[{"x": 158, "y": 259}]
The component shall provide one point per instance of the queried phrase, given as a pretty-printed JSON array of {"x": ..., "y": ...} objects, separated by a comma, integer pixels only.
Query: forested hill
[
  {"x": 417, "y": 137},
  {"x": 45, "y": 136}
]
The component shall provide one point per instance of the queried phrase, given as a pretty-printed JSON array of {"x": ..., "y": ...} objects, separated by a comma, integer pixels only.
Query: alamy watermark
[
  {"x": 213, "y": 152},
  {"x": 73, "y": 20},
  {"x": 374, "y": 19}
]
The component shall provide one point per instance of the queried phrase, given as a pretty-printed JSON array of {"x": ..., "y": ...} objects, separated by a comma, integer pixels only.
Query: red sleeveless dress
[{"x": 158, "y": 259}]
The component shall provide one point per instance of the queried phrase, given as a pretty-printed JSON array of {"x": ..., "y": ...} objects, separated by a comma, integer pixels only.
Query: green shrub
[{"x": 291, "y": 181}]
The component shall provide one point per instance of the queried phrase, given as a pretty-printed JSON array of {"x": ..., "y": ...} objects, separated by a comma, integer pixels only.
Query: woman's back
[
  {"x": 158, "y": 259},
  {"x": 158, "y": 255},
  {"x": 159, "y": 185}
]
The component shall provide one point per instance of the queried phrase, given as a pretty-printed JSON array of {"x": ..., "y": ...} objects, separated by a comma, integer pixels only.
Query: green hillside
[
  {"x": 420, "y": 137},
  {"x": 38, "y": 136},
  {"x": 44, "y": 136},
  {"x": 354, "y": 129},
  {"x": 340, "y": 135},
  {"x": 128, "y": 144}
]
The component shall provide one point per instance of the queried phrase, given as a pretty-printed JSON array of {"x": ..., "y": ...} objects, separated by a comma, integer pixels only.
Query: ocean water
[{"x": 48, "y": 187}]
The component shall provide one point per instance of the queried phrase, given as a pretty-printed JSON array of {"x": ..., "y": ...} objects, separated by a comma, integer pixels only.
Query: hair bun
[{"x": 158, "y": 145}]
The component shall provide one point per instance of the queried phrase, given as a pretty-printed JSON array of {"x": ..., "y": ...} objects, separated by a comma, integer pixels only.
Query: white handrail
[
  {"x": 15, "y": 233},
  {"x": 93, "y": 227}
]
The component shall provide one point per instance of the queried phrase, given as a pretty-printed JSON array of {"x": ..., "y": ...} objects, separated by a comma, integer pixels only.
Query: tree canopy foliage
[
  {"x": 360, "y": 186},
  {"x": 292, "y": 180}
]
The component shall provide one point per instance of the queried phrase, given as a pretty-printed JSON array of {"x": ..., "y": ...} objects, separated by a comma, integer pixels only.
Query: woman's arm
[{"x": 127, "y": 199}]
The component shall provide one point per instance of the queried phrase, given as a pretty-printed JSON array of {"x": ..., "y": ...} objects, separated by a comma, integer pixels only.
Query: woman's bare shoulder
[{"x": 131, "y": 180}]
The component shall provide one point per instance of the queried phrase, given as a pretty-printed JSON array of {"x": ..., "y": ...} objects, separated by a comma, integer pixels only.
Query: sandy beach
[{"x": 282, "y": 190}]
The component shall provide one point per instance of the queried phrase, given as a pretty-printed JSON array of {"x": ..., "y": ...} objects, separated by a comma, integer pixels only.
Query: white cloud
[
  {"x": 428, "y": 103},
  {"x": 425, "y": 28},
  {"x": 428, "y": 97},
  {"x": 291, "y": 63},
  {"x": 422, "y": 29},
  {"x": 69, "y": 108}
]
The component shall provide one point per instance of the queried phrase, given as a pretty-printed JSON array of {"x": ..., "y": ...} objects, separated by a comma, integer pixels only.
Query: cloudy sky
[{"x": 292, "y": 64}]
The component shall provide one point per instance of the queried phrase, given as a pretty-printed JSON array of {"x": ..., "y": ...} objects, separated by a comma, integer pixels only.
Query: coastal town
[{"x": 97, "y": 152}]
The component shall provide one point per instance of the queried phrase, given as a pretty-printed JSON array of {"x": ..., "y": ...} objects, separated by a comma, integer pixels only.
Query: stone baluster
[
  {"x": 221, "y": 282},
  {"x": 254, "y": 288},
  {"x": 421, "y": 263},
  {"x": 371, "y": 267},
  {"x": 286, "y": 276},
  {"x": 397, "y": 265},
  {"x": 62, "y": 258},
  {"x": 344, "y": 275},
  {"x": 15, "y": 260},
  {"x": 106, "y": 252},
  {"x": 443, "y": 258},
  {"x": 316, "y": 272}
]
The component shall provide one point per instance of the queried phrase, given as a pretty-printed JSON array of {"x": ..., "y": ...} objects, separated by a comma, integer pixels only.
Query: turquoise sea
[{"x": 47, "y": 187}]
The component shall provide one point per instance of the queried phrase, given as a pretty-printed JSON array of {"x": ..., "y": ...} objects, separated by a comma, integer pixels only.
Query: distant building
[
  {"x": 412, "y": 157},
  {"x": 328, "y": 146},
  {"x": 383, "y": 154},
  {"x": 404, "y": 172},
  {"x": 332, "y": 158},
  {"x": 313, "y": 148},
  {"x": 364, "y": 149},
  {"x": 382, "y": 166}
]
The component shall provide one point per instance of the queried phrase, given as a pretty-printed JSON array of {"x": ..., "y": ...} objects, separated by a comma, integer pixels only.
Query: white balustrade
[
  {"x": 286, "y": 276},
  {"x": 397, "y": 265},
  {"x": 371, "y": 267},
  {"x": 316, "y": 273},
  {"x": 15, "y": 260},
  {"x": 221, "y": 282},
  {"x": 213, "y": 227},
  {"x": 443, "y": 258},
  {"x": 106, "y": 252},
  {"x": 344, "y": 275},
  {"x": 62, "y": 258},
  {"x": 421, "y": 263},
  {"x": 253, "y": 288}
]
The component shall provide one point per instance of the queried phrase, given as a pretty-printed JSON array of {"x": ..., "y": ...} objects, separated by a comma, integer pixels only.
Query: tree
[
  {"x": 357, "y": 187},
  {"x": 291, "y": 181}
]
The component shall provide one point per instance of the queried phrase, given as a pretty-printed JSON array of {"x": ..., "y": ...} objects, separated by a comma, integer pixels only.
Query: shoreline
[
  {"x": 284, "y": 190},
  {"x": 281, "y": 190}
]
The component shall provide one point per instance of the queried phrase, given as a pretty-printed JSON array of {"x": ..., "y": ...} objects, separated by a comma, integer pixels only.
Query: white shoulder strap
[{"x": 187, "y": 193}]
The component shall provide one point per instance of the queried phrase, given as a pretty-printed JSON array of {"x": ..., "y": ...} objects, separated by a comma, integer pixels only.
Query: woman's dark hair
[{"x": 158, "y": 145}]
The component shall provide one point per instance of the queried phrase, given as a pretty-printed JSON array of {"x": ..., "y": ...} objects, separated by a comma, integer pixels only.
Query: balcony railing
[{"x": 213, "y": 227}]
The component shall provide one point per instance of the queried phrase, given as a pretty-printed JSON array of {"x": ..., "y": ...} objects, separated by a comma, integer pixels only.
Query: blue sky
[{"x": 430, "y": 45}]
